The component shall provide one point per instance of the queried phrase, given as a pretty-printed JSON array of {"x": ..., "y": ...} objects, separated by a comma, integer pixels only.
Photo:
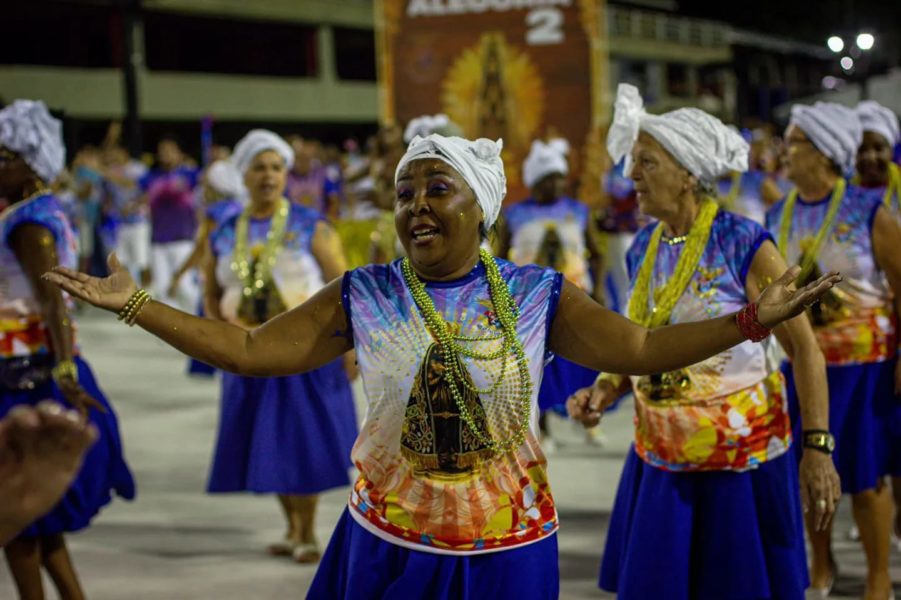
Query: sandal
[
  {"x": 306, "y": 554},
  {"x": 284, "y": 547}
]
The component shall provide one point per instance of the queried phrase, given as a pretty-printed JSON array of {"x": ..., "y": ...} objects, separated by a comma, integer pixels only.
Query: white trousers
[
  {"x": 166, "y": 259},
  {"x": 133, "y": 247}
]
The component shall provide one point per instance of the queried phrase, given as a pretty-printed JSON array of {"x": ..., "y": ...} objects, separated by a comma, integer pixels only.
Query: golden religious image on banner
[{"x": 512, "y": 69}]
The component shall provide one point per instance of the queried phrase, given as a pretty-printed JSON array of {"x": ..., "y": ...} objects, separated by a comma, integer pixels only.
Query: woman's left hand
[
  {"x": 77, "y": 397},
  {"x": 779, "y": 302},
  {"x": 820, "y": 487}
]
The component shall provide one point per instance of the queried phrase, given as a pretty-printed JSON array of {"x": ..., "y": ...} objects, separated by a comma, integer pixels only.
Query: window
[
  {"x": 354, "y": 53},
  {"x": 177, "y": 42},
  {"x": 60, "y": 34}
]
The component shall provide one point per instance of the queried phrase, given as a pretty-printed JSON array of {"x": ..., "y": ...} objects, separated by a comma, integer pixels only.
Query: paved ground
[{"x": 175, "y": 542}]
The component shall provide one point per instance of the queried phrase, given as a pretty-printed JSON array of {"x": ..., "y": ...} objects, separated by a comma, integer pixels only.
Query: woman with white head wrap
[
  {"x": 39, "y": 359},
  {"x": 289, "y": 436},
  {"x": 425, "y": 125},
  {"x": 826, "y": 223},
  {"x": 875, "y": 169},
  {"x": 552, "y": 230},
  {"x": 452, "y": 497},
  {"x": 710, "y": 436},
  {"x": 877, "y": 172}
]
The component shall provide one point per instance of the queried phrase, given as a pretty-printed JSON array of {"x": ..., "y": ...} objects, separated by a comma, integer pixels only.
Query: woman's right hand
[
  {"x": 110, "y": 293},
  {"x": 588, "y": 404}
]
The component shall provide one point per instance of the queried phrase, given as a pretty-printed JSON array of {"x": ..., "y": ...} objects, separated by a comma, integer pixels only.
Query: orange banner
[{"x": 512, "y": 69}]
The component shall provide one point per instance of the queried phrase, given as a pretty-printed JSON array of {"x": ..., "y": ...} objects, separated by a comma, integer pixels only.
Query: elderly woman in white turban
[
  {"x": 709, "y": 499},
  {"x": 452, "y": 498},
  {"x": 292, "y": 435},
  {"x": 39, "y": 357},
  {"x": 825, "y": 223}
]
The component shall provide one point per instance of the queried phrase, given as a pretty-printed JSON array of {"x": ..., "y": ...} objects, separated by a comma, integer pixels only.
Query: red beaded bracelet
[{"x": 750, "y": 327}]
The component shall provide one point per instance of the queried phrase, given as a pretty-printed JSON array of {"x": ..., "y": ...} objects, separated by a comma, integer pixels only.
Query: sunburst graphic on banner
[{"x": 494, "y": 90}]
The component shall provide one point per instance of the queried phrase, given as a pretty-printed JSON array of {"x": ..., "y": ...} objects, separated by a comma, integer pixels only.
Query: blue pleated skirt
[
  {"x": 561, "y": 379},
  {"x": 104, "y": 471},
  {"x": 706, "y": 536},
  {"x": 285, "y": 435},
  {"x": 864, "y": 415},
  {"x": 358, "y": 565}
]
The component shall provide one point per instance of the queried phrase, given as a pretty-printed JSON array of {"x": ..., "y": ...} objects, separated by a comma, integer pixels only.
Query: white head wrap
[
  {"x": 879, "y": 119},
  {"x": 834, "y": 129},
  {"x": 426, "y": 125},
  {"x": 256, "y": 141},
  {"x": 698, "y": 141},
  {"x": 225, "y": 179},
  {"x": 478, "y": 162},
  {"x": 27, "y": 128},
  {"x": 545, "y": 158}
]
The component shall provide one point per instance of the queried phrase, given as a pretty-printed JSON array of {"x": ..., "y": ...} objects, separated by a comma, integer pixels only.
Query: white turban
[
  {"x": 478, "y": 162},
  {"x": 545, "y": 158},
  {"x": 834, "y": 129},
  {"x": 256, "y": 141},
  {"x": 225, "y": 179},
  {"x": 426, "y": 125},
  {"x": 696, "y": 140},
  {"x": 879, "y": 119},
  {"x": 27, "y": 128}
]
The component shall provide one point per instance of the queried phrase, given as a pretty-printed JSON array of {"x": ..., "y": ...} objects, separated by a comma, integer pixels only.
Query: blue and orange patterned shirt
[
  {"x": 727, "y": 412},
  {"x": 855, "y": 322},
  {"x": 22, "y": 331},
  {"x": 426, "y": 481}
]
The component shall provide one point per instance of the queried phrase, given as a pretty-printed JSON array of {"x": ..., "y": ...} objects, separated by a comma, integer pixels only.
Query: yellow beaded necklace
[
  {"x": 254, "y": 281},
  {"x": 729, "y": 200},
  {"x": 666, "y": 296},
  {"x": 892, "y": 188},
  {"x": 507, "y": 313},
  {"x": 810, "y": 255}
]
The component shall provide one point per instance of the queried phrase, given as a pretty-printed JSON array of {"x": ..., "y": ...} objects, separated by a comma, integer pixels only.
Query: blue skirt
[
  {"x": 706, "y": 536},
  {"x": 358, "y": 565},
  {"x": 196, "y": 367},
  {"x": 104, "y": 470},
  {"x": 863, "y": 411},
  {"x": 285, "y": 435},
  {"x": 561, "y": 379}
]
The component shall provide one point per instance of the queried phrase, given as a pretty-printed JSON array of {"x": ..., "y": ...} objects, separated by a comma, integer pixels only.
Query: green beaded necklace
[{"x": 508, "y": 315}]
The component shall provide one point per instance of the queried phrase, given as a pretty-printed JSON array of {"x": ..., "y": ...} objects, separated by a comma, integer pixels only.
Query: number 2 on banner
[{"x": 545, "y": 26}]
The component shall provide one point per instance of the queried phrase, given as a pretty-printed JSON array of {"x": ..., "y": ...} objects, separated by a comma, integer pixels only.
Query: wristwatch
[{"x": 819, "y": 439}]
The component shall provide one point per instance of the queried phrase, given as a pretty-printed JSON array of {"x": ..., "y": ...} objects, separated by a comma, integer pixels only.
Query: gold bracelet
[
  {"x": 134, "y": 307},
  {"x": 130, "y": 305},
  {"x": 65, "y": 368},
  {"x": 614, "y": 380},
  {"x": 133, "y": 318}
]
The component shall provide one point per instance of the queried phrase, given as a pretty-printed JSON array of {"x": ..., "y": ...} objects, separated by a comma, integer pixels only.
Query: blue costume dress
[
  {"x": 23, "y": 335},
  {"x": 708, "y": 506},
  {"x": 856, "y": 330},
  {"x": 436, "y": 514},
  {"x": 554, "y": 235},
  {"x": 280, "y": 435}
]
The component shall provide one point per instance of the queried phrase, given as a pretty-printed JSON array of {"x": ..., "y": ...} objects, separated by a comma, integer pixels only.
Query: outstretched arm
[
  {"x": 590, "y": 335},
  {"x": 302, "y": 339}
]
